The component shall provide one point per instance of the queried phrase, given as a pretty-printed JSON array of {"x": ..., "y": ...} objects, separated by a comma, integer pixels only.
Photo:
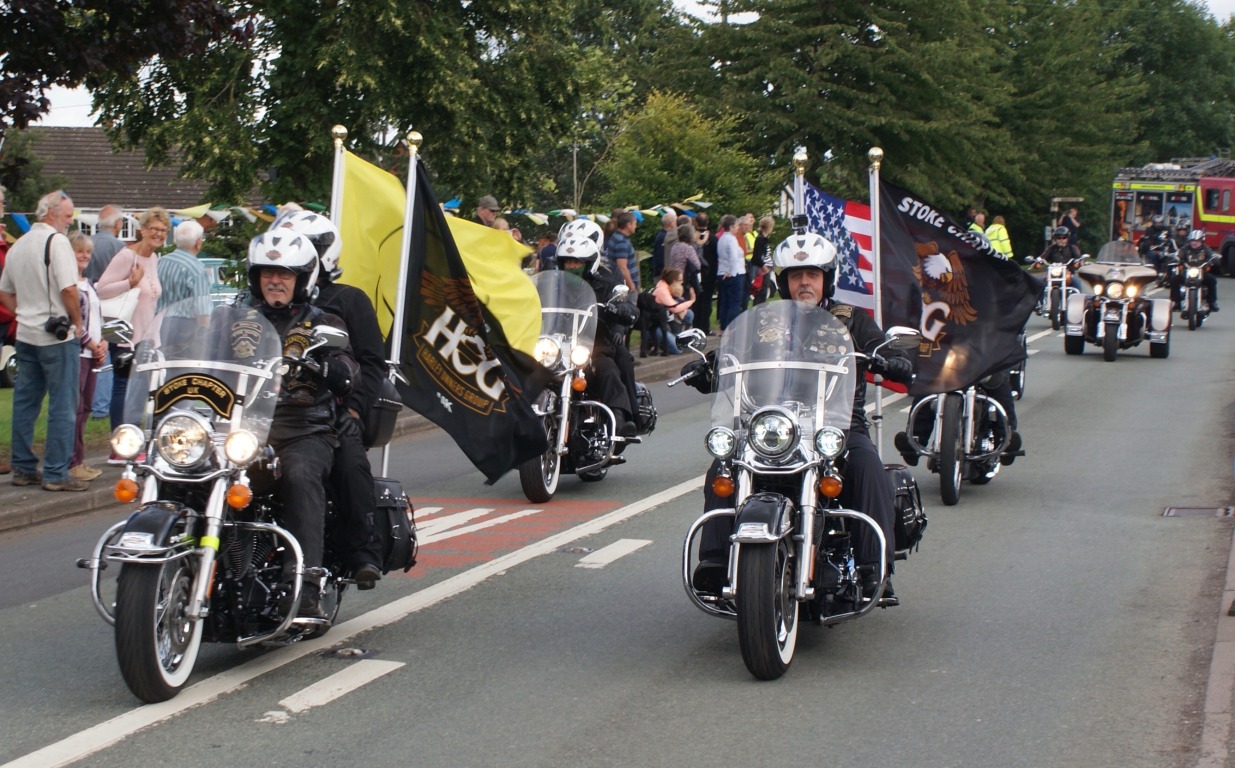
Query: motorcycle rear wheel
[
  {"x": 767, "y": 612},
  {"x": 1110, "y": 343},
  {"x": 951, "y": 452},
  {"x": 156, "y": 643},
  {"x": 539, "y": 476}
]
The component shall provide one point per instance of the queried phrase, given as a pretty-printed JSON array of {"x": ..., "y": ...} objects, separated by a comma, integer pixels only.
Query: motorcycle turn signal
[
  {"x": 578, "y": 383},
  {"x": 722, "y": 486},
  {"x": 125, "y": 490},
  {"x": 830, "y": 487}
]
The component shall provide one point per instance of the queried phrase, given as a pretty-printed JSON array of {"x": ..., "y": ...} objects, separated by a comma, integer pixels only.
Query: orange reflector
[
  {"x": 722, "y": 486},
  {"x": 578, "y": 383},
  {"x": 126, "y": 490},
  {"x": 239, "y": 496},
  {"x": 830, "y": 487}
]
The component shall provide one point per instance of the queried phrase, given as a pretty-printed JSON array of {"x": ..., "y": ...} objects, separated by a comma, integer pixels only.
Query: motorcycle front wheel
[
  {"x": 1056, "y": 310},
  {"x": 766, "y": 609},
  {"x": 539, "y": 476},
  {"x": 951, "y": 451},
  {"x": 1110, "y": 343},
  {"x": 1190, "y": 305},
  {"x": 156, "y": 641}
]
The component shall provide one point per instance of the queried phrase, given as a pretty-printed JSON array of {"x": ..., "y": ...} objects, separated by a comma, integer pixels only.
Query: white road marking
[
  {"x": 339, "y": 684},
  {"x": 426, "y": 511},
  {"x": 105, "y": 734},
  {"x": 455, "y": 520},
  {"x": 1038, "y": 335},
  {"x": 451, "y": 533},
  {"x": 605, "y": 555},
  {"x": 1034, "y": 351}
]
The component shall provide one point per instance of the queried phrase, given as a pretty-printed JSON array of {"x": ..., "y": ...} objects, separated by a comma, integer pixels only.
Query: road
[{"x": 1052, "y": 618}]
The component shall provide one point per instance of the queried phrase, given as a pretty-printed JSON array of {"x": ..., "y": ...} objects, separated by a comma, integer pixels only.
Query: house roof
[{"x": 98, "y": 174}]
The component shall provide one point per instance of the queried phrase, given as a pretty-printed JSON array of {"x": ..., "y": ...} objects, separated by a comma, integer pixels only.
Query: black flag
[
  {"x": 969, "y": 301},
  {"x": 461, "y": 372}
]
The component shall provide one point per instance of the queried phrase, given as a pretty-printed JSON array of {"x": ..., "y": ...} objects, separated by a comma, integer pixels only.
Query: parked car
[{"x": 222, "y": 285}]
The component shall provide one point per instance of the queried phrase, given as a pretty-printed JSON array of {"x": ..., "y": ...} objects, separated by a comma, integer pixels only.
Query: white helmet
[
  {"x": 580, "y": 239},
  {"x": 806, "y": 249},
  {"x": 1197, "y": 234},
  {"x": 321, "y": 232},
  {"x": 286, "y": 250}
]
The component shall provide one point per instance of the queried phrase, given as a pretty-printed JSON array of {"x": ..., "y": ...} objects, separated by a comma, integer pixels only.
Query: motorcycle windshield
[
  {"x": 1119, "y": 252},
  {"x": 222, "y": 363},
  {"x": 567, "y": 316},
  {"x": 787, "y": 354}
]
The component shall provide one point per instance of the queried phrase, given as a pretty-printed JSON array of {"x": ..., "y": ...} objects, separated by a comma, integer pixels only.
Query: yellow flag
[
  {"x": 493, "y": 260},
  {"x": 371, "y": 228}
]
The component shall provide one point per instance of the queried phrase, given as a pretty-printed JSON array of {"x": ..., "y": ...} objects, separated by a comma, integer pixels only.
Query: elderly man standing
[
  {"x": 39, "y": 284},
  {"x": 181, "y": 273},
  {"x": 107, "y": 242}
]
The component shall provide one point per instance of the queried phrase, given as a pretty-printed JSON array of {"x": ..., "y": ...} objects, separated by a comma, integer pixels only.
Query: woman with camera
[{"x": 135, "y": 267}]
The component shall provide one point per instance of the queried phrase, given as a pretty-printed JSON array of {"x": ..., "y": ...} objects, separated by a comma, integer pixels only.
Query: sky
[{"x": 71, "y": 107}]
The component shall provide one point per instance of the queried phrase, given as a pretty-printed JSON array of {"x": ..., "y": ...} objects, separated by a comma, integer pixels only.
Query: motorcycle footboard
[
  {"x": 873, "y": 603},
  {"x": 712, "y": 605}
]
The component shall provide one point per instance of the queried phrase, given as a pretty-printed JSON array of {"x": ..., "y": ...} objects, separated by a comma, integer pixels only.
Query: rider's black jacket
[
  {"x": 866, "y": 335},
  {"x": 1195, "y": 257},
  {"x": 1153, "y": 238},
  {"x": 616, "y": 318},
  {"x": 352, "y": 306},
  {"x": 1060, "y": 254}
]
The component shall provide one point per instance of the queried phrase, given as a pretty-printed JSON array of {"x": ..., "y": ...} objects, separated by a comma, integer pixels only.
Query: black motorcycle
[
  {"x": 780, "y": 420},
  {"x": 582, "y": 433},
  {"x": 203, "y": 557}
]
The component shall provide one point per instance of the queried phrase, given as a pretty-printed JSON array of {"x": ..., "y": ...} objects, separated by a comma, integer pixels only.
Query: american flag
[{"x": 847, "y": 225}]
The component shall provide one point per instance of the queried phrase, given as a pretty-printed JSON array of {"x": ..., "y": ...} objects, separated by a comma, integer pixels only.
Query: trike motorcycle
[
  {"x": 204, "y": 557},
  {"x": 1117, "y": 314},
  {"x": 583, "y": 433},
  {"x": 785, "y": 375}
]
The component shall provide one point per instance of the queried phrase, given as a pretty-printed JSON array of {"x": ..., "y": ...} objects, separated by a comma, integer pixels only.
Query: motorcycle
[
  {"x": 780, "y": 420},
  {"x": 1058, "y": 288},
  {"x": 582, "y": 433},
  {"x": 204, "y": 558},
  {"x": 1118, "y": 315},
  {"x": 1193, "y": 298},
  {"x": 969, "y": 434},
  {"x": 1019, "y": 372}
]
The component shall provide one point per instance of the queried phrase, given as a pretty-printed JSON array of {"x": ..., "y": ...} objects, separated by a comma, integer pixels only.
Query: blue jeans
[
  {"x": 100, "y": 406},
  {"x": 729, "y": 299},
  {"x": 53, "y": 371}
]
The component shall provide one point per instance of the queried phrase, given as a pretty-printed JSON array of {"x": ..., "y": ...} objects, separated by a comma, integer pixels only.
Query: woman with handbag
[{"x": 130, "y": 285}]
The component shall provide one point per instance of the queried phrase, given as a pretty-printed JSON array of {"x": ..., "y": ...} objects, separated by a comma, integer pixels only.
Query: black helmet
[{"x": 1060, "y": 232}]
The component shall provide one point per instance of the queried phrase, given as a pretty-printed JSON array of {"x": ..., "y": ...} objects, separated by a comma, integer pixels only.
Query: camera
[{"x": 58, "y": 327}]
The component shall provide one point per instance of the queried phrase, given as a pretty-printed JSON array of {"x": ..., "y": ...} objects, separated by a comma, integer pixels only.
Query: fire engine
[{"x": 1197, "y": 191}]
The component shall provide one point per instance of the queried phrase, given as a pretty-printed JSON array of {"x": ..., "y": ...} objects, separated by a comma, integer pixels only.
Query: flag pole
[
  {"x": 414, "y": 140},
  {"x": 339, "y": 133},
  {"x": 799, "y": 181},
  {"x": 875, "y": 155}
]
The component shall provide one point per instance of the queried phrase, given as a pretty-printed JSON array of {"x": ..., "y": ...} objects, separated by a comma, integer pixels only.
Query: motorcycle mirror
[
  {"x": 903, "y": 337},
  {"x": 329, "y": 337},
  {"x": 620, "y": 292},
  {"x": 118, "y": 331},
  {"x": 692, "y": 338}
]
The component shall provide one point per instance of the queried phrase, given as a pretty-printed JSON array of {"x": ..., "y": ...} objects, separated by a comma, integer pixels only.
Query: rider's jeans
[{"x": 52, "y": 371}]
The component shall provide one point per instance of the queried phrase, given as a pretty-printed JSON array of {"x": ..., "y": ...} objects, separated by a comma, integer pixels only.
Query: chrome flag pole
[{"x": 875, "y": 155}]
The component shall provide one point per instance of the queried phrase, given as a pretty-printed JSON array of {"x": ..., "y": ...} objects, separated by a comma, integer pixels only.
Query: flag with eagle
[
  {"x": 970, "y": 302},
  {"x": 464, "y": 325}
]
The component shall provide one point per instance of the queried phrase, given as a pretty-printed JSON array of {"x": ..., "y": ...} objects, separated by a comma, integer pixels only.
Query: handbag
[{"x": 121, "y": 306}]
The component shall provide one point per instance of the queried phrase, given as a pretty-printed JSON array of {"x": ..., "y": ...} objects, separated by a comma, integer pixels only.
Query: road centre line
[
  {"x": 605, "y": 555},
  {"x": 339, "y": 684},
  {"x": 105, "y": 734}
]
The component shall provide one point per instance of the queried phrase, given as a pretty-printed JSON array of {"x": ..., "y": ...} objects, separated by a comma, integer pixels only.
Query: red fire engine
[{"x": 1195, "y": 190}]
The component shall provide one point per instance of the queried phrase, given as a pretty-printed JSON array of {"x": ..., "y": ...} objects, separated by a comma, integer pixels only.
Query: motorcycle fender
[
  {"x": 1075, "y": 309},
  {"x": 150, "y": 527},
  {"x": 763, "y": 518},
  {"x": 1160, "y": 314}
]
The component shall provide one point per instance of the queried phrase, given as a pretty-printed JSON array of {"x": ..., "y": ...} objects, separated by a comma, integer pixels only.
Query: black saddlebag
[
  {"x": 394, "y": 526},
  {"x": 379, "y": 424},
  {"x": 646, "y": 416},
  {"x": 910, "y": 519}
]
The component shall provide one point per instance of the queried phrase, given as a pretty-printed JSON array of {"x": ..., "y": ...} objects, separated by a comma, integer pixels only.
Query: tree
[{"x": 52, "y": 42}]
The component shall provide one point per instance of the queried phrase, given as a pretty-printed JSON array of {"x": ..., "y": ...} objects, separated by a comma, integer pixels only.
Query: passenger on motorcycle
[
  {"x": 1196, "y": 254},
  {"x": 613, "y": 368},
  {"x": 806, "y": 271},
  {"x": 1155, "y": 243},
  {"x": 1060, "y": 251},
  {"x": 352, "y": 477},
  {"x": 282, "y": 271}
]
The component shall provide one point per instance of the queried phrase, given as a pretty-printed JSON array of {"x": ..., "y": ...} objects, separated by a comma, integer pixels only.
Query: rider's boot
[
  {"x": 870, "y": 584},
  {"x": 1013, "y": 450},
  {"x": 901, "y": 441},
  {"x": 710, "y": 574}
]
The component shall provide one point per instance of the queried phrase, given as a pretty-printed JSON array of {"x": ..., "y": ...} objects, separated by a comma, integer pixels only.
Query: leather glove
[
  {"x": 335, "y": 375},
  {"x": 893, "y": 368},
  {"x": 698, "y": 374}
]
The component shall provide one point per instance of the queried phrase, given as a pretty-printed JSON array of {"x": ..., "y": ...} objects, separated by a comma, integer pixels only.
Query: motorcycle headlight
[
  {"x": 1115, "y": 290},
  {"x": 1056, "y": 270},
  {"x": 241, "y": 447},
  {"x": 772, "y": 434},
  {"x": 547, "y": 351},
  {"x": 1133, "y": 291},
  {"x": 829, "y": 442},
  {"x": 127, "y": 441},
  {"x": 1194, "y": 273},
  {"x": 1097, "y": 289},
  {"x": 579, "y": 356},
  {"x": 183, "y": 440},
  {"x": 720, "y": 442}
]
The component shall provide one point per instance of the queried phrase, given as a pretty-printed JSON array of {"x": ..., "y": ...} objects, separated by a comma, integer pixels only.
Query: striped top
[{"x": 183, "y": 277}]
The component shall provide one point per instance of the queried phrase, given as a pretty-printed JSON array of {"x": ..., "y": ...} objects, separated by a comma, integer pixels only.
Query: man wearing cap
[{"x": 487, "y": 210}]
